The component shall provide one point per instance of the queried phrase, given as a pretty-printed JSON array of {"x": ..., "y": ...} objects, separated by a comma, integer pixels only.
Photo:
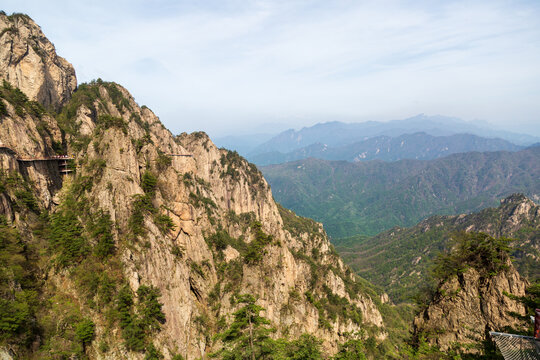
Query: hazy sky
[{"x": 227, "y": 66}]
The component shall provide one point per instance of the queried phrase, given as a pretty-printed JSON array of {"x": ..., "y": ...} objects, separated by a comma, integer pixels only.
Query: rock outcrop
[
  {"x": 29, "y": 62},
  {"x": 28, "y": 132},
  {"x": 514, "y": 213},
  {"x": 468, "y": 306}
]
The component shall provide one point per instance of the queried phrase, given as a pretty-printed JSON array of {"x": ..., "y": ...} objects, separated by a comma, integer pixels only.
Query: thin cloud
[{"x": 223, "y": 64}]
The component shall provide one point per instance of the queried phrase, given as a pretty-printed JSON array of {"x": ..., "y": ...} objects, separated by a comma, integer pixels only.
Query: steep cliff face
[
  {"x": 469, "y": 306},
  {"x": 28, "y": 132},
  {"x": 28, "y": 61},
  {"x": 146, "y": 212},
  {"x": 208, "y": 192}
]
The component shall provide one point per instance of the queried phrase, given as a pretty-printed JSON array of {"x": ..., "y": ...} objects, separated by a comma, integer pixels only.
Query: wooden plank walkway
[
  {"x": 50, "y": 158},
  {"x": 61, "y": 159}
]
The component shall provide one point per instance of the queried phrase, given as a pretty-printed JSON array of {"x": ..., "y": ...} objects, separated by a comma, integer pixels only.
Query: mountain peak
[
  {"x": 28, "y": 61},
  {"x": 515, "y": 199}
]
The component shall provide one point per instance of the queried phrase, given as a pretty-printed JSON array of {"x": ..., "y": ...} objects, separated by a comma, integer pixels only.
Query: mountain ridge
[
  {"x": 338, "y": 193},
  {"x": 398, "y": 259},
  {"x": 338, "y": 133},
  {"x": 419, "y": 146}
]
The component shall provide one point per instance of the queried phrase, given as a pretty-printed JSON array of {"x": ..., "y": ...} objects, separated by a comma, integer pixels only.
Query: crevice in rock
[{"x": 194, "y": 290}]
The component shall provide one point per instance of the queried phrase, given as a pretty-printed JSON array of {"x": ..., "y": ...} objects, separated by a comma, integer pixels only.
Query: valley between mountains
[{"x": 121, "y": 240}]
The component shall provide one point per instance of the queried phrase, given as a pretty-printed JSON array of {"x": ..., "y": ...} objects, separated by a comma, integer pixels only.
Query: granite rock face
[
  {"x": 205, "y": 190},
  {"x": 470, "y": 305},
  {"x": 28, "y": 60}
]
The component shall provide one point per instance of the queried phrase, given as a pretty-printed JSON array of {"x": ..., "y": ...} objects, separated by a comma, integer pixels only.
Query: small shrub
[
  {"x": 150, "y": 308},
  {"x": 101, "y": 232},
  {"x": 142, "y": 204},
  {"x": 220, "y": 240},
  {"x": 486, "y": 254},
  {"x": 66, "y": 235},
  {"x": 117, "y": 97},
  {"x": 148, "y": 182},
  {"x": 28, "y": 199},
  {"x": 103, "y": 346},
  {"x": 137, "y": 325},
  {"x": 305, "y": 347},
  {"x": 351, "y": 349},
  {"x": 196, "y": 268},
  {"x": 3, "y": 108},
  {"x": 108, "y": 121},
  {"x": 152, "y": 353},
  {"x": 134, "y": 336},
  {"x": 18, "y": 298},
  {"x": 177, "y": 251},
  {"x": 124, "y": 304},
  {"x": 255, "y": 250},
  {"x": 164, "y": 223},
  {"x": 14, "y": 96},
  {"x": 163, "y": 161}
]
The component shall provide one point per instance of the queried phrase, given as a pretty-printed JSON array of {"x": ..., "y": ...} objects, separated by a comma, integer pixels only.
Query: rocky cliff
[
  {"x": 146, "y": 218},
  {"x": 473, "y": 298},
  {"x": 28, "y": 60}
]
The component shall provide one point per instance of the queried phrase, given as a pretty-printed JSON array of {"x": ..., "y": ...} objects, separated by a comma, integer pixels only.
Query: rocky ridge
[
  {"x": 169, "y": 199},
  {"x": 470, "y": 305}
]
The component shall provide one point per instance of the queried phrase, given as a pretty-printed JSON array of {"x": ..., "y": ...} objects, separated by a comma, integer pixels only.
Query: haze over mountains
[
  {"x": 419, "y": 146},
  {"x": 120, "y": 240},
  {"x": 338, "y": 134}
]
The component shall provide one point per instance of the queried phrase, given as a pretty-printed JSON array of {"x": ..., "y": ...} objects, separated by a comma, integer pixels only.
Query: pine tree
[{"x": 248, "y": 337}]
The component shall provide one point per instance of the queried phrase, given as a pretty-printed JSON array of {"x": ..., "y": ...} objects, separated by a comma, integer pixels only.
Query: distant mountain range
[
  {"x": 398, "y": 259},
  {"x": 408, "y": 146},
  {"x": 336, "y": 134},
  {"x": 372, "y": 196}
]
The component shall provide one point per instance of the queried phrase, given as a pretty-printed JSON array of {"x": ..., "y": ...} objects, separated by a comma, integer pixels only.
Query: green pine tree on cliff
[{"x": 248, "y": 337}]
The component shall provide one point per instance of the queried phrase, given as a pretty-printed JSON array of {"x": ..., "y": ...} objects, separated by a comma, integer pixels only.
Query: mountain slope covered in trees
[
  {"x": 370, "y": 197},
  {"x": 399, "y": 259}
]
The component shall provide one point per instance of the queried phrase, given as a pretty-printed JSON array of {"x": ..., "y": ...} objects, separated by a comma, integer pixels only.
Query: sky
[{"x": 237, "y": 67}]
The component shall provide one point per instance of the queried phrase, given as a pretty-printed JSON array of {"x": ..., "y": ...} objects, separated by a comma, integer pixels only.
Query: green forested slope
[
  {"x": 399, "y": 259},
  {"x": 369, "y": 197}
]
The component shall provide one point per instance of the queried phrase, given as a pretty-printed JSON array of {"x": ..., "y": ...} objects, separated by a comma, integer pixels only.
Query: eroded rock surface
[
  {"x": 470, "y": 305},
  {"x": 28, "y": 60}
]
